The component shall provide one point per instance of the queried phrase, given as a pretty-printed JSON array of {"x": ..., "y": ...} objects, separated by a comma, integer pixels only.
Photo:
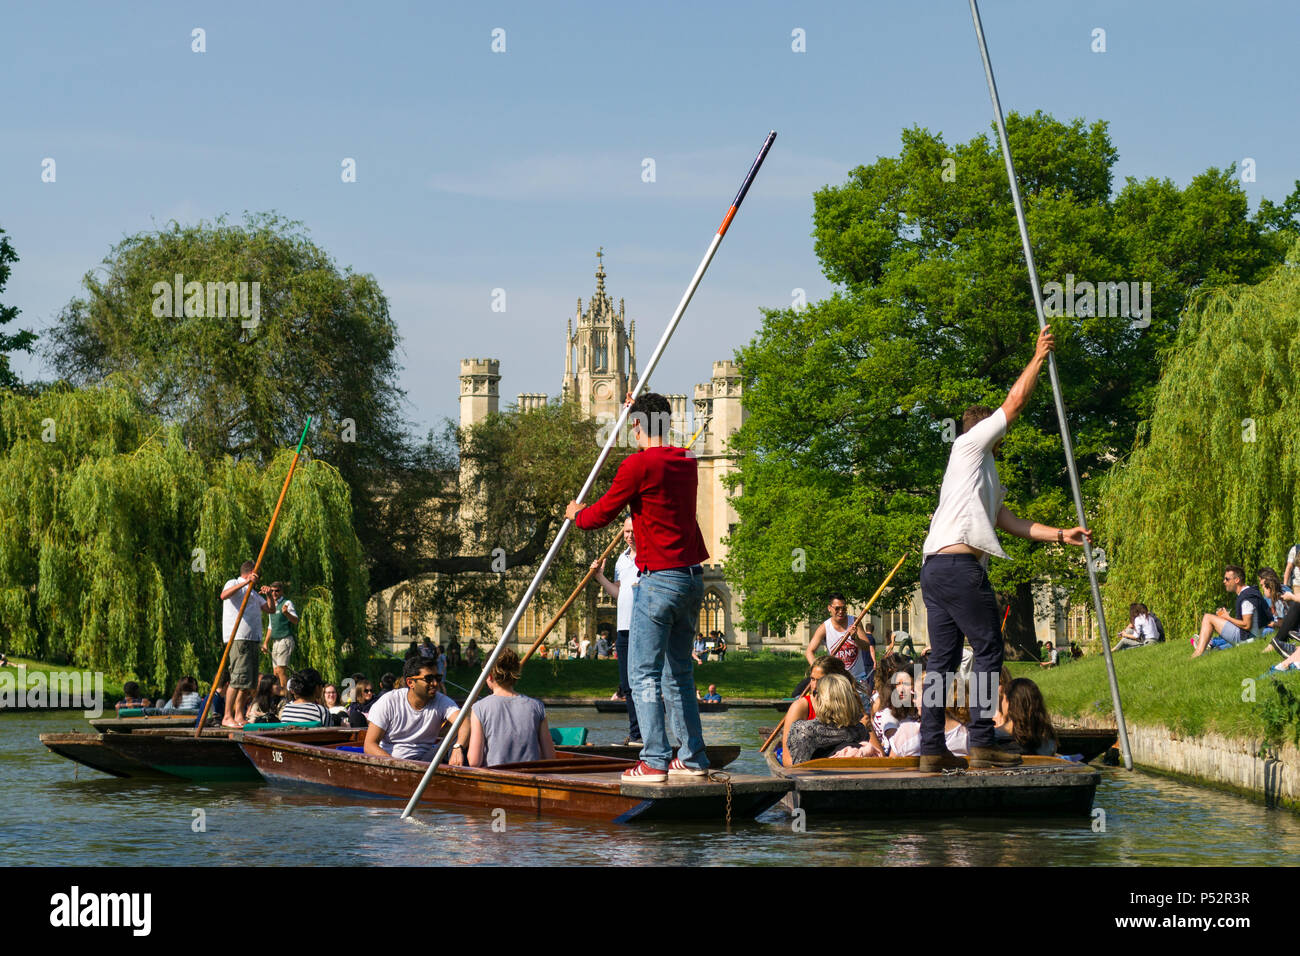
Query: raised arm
[
  {"x": 1021, "y": 392},
  {"x": 611, "y": 587}
]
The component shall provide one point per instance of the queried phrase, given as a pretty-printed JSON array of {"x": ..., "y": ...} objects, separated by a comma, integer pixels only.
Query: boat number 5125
[{"x": 277, "y": 757}]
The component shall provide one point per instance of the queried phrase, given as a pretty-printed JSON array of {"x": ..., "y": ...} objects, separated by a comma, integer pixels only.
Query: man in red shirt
[{"x": 659, "y": 482}]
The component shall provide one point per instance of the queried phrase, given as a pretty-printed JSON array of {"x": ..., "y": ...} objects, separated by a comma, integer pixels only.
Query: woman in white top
[{"x": 1141, "y": 628}]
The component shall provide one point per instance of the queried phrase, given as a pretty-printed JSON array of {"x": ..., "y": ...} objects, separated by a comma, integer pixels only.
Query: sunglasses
[{"x": 429, "y": 679}]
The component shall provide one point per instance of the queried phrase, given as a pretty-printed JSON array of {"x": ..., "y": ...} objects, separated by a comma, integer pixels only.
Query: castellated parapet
[{"x": 480, "y": 387}]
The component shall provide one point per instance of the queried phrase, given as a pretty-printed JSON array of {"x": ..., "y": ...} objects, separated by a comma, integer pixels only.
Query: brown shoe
[
  {"x": 993, "y": 758},
  {"x": 937, "y": 763}
]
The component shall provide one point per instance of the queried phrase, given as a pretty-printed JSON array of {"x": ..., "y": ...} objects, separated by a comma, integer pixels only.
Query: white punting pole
[
  {"x": 1056, "y": 387},
  {"x": 591, "y": 478}
]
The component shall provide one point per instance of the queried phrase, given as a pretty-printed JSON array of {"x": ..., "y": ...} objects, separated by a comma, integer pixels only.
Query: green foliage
[
  {"x": 844, "y": 448},
  {"x": 20, "y": 341},
  {"x": 1281, "y": 715},
  {"x": 1211, "y": 480},
  {"x": 117, "y": 540},
  {"x": 518, "y": 472},
  {"x": 323, "y": 344}
]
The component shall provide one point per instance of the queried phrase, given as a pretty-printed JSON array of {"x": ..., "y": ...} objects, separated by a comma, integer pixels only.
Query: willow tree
[
  {"x": 115, "y": 540},
  {"x": 1212, "y": 478}
]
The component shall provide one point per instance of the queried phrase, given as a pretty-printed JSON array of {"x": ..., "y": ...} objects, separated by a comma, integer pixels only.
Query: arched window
[
  {"x": 400, "y": 618},
  {"x": 713, "y": 615}
]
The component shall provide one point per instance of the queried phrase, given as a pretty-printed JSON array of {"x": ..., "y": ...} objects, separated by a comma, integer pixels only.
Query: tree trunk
[{"x": 1019, "y": 639}]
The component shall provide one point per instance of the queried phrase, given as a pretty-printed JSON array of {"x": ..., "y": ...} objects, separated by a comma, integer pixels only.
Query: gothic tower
[{"x": 600, "y": 355}]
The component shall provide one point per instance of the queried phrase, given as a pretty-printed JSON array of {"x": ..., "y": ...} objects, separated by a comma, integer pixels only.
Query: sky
[{"x": 479, "y": 170}]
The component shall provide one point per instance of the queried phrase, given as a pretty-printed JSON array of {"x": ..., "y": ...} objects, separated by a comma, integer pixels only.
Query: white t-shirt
[
  {"x": 1144, "y": 629},
  {"x": 410, "y": 734},
  {"x": 972, "y": 495},
  {"x": 626, "y": 574},
  {"x": 1295, "y": 570},
  {"x": 907, "y": 740},
  {"x": 250, "y": 628}
]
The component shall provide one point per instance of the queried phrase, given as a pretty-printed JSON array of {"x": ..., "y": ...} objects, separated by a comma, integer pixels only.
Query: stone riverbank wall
[{"x": 1230, "y": 763}]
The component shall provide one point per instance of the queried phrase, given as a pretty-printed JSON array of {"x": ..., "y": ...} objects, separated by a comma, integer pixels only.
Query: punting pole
[
  {"x": 1056, "y": 386},
  {"x": 248, "y": 591},
  {"x": 883, "y": 584},
  {"x": 617, "y": 430},
  {"x": 583, "y": 583}
]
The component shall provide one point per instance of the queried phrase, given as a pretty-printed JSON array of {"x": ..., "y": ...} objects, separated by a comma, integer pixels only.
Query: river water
[{"x": 57, "y": 813}]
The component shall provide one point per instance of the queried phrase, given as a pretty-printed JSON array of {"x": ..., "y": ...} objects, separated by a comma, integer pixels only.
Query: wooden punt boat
[
  {"x": 571, "y": 785},
  {"x": 126, "y": 725},
  {"x": 620, "y": 706},
  {"x": 1070, "y": 740},
  {"x": 895, "y": 786},
  {"x": 173, "y": 752},
  {"x": 719, "y": 754}
]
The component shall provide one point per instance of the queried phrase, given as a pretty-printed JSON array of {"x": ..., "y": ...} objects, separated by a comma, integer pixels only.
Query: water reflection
[{"x": 56, "y": 815}]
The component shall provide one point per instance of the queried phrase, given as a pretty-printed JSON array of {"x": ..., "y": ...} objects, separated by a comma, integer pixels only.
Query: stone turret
[
  {"x": 480, "y": 380},
  {"x": 599, "y": 353},
  {"x": 718, "y": 402}
]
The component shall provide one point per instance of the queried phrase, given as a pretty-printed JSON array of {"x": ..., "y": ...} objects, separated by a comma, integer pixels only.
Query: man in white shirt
[
  {"x": 406, "y": 722},
  {"x": 621, "y": 589},
  {"x": 243, "y": 657},
  {"x": 954, "y": 578}
]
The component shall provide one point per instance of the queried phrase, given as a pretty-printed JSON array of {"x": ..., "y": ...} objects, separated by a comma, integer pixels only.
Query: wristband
[{"x": 1060, "y": 535}]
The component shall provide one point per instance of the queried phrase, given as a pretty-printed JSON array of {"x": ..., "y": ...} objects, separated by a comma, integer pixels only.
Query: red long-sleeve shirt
[{"x": 660, "y": 485}]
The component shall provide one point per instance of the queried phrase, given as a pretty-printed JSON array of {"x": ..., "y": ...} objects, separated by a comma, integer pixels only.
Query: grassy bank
[
  {"x": 740, "y": 675},
  {"x": 1220, "y": 691},
  {"x": 112, "y": 685}
]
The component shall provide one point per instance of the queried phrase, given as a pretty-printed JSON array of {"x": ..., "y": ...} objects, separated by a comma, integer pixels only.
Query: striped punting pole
[{"x": 614, "y": 432}]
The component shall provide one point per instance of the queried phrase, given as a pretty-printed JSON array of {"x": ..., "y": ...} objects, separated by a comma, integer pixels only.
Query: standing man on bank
[
  {"x": 954, "y": 573},
  {"x": 659, "y": 484},
  {"x": 281, "y": 631}
]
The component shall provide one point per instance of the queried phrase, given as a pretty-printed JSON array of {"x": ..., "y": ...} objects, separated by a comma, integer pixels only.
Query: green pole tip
[{"x": 298, "y": 450}]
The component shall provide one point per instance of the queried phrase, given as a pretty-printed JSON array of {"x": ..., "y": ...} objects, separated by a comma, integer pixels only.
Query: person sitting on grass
[
  {"x": 305, "y": 707},
  {"x": 506, "y": 726},
  {"x": 712, "y": 697},
  {"x": 406, "y": 723},
  {"x": 1248, "y": 619},
  {"x": 803, "y": 708},
  {"x": 1023, "y": 723},
  {"x": 1270, "y": 586},
  {"x": 186, "y": 696},
  {"x": 265, "y": 704},
  {"x": 838, "y": 723},
  {"x": 1141, "y": 629},
  {"x": 130, "y": 697}
]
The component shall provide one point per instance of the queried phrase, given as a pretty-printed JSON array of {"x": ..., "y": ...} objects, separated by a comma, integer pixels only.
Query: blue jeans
[
  {"x": 665, "y": 615},
  {"x": 959, "y": 600},
  {"x": 620, "y": 644}
]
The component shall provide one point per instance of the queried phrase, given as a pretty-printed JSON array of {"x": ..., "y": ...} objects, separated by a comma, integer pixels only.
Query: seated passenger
[
  {"x": 894, "y": 701},
  {"x": 186, "y": 696},
  {"x": 330, "y": 698},
  {"x": 1026, "y": 721},
  {"x": 406, "y": 722},
  {"x": 956, "y": 732},
  {"x": 304, "y": 706},
  {"x": 1248, "y": 619},
  {"x": 802, "y": 708},
  {"x": 265, "y": 705},
  {"x": 712, "y": 697},
  {"x": 507, "y": 727},
  {"x": 131, "y": 697},
  {"x": 838, "y": 723}
]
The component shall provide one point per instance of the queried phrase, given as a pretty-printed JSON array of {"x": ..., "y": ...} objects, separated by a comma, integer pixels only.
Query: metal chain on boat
[{"x": 724, "y": 778}]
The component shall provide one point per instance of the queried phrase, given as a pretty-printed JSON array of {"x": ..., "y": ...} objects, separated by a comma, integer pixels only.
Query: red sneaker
[
  {"x": 679, "y": 769},
  {"x": 644, "y": 773}
]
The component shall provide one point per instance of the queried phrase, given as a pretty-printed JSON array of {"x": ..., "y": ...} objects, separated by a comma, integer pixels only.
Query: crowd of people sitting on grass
[{"x": 834, "y": 718}]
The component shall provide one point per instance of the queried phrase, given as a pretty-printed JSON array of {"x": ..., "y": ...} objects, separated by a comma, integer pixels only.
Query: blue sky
[{"x": 479, "y": 170}]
